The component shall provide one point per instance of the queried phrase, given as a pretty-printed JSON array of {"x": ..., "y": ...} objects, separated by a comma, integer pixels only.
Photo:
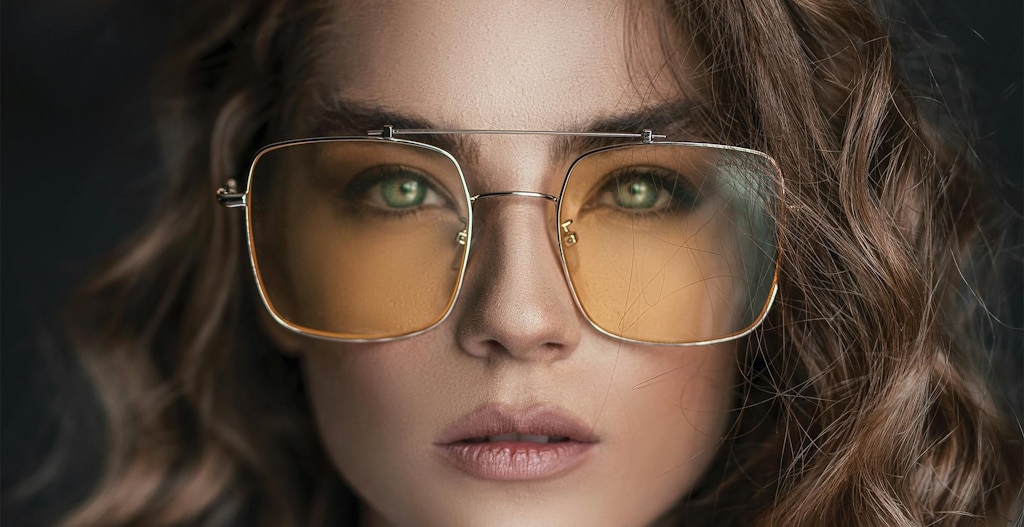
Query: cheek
[
  {"x": 373, "y": 406},
  {"x": 670, "y": 408},
  {"x": 358, "y": 394}
]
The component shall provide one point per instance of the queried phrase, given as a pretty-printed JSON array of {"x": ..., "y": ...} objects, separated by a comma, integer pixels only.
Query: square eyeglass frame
[{"x": 229, "y": 197}]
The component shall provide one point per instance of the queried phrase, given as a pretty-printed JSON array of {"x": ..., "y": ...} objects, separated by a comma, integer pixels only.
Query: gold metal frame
[{"x": 229, "y": 197}]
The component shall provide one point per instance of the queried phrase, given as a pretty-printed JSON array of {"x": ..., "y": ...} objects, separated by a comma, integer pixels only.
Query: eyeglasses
[{"x": 367, "y": 238}]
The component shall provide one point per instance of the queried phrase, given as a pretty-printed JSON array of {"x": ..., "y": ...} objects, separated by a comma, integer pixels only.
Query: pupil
[
  {"x": 403, "y": 193},
  {"x": 637, "y": 194},
  {"x": 408, "y": 188},
  {"x": 637, "y": 189}
]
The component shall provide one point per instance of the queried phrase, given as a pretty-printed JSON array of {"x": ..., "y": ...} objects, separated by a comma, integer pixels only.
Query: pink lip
[{"x": 516, "y": 460}]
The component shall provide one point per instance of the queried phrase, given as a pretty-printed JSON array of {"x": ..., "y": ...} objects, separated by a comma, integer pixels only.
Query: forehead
[{"x": 469, "y": 64}]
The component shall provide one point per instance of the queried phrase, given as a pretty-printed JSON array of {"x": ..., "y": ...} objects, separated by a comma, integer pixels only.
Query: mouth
[
  {"x": 500, "y": 443},
  {"x": 514, "y": 437}
]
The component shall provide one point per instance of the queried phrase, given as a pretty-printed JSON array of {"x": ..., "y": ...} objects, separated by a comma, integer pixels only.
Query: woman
[{"x": 776, "y": 331}]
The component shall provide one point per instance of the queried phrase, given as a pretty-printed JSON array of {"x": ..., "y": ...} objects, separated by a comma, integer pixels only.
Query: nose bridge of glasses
[
  {"x": 461, "y": 239},
  {"x": 518, "y": 193},
  {"x": 568, "y": 236}
]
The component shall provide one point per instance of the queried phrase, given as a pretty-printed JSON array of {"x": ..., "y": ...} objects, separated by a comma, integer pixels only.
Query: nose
[{"x": 515, "y": 303}]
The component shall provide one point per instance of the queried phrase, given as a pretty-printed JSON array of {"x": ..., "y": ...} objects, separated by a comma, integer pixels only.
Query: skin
[{"x": 515, "y": 336}]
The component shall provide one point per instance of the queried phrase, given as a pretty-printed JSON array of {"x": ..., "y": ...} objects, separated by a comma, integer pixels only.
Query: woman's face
[{"x": 399, "y": 419}]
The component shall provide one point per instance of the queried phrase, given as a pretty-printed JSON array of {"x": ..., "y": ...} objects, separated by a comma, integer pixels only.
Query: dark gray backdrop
[{"x": 79, "y": 167}]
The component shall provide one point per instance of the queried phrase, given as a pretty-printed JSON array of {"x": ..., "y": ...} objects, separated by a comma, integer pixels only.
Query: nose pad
[
  {"x": 515, "y": 301},
  {"x": 461, "y": 239}
]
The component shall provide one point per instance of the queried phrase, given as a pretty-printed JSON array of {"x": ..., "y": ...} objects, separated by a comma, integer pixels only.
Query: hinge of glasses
[
  {"x": 647, "y": 137},
  {"x": 388, "y": 132},
  {"x": 229, "y": 196}
]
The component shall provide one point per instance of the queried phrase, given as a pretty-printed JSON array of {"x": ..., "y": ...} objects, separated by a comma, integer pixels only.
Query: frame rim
[
  {"x": 332, "y": 336},
  {"x": 387, "y": 135},
  {"x": 773, "y": 290}
]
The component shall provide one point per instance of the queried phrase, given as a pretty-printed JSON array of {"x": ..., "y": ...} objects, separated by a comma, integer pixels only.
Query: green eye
[
  {"x": 394, "y": 189},
  {"x": 642, "y": 189},
  {"x": 402, "y": 192},
  {"x": 636, "y": 193}
]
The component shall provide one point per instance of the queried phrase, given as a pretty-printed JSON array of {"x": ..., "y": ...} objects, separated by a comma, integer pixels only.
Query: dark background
[{"x": 79, "y": 169}]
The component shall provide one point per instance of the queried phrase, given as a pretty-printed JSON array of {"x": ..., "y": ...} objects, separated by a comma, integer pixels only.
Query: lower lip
[{"x": 506, "y": 461}]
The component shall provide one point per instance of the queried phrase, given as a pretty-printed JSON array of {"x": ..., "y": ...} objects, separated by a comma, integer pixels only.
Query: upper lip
[{"x": 496, "y": 419}]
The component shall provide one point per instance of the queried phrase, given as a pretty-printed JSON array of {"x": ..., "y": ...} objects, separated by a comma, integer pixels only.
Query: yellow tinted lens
[
  {"x": 671, "y": 243},
  {"x": 357, "y": 238}
]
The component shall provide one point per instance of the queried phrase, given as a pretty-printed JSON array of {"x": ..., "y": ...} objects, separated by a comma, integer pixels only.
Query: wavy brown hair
[{"x": 866, "y": 399}]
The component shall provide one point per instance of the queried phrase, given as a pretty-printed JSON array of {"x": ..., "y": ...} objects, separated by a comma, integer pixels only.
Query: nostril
[{"x": 518, "y": 321}]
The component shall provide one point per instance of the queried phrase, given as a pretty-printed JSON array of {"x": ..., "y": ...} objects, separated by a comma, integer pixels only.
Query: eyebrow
[
  {"x": 350, "y": 118},
  {"x": 677, "y": 120}
]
